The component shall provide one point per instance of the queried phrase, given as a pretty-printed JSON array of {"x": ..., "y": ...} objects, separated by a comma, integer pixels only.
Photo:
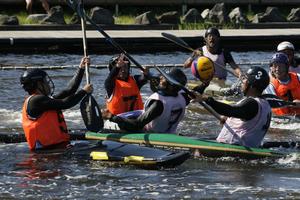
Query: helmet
[
  {"x": 203, "y": 68},
  {"x": 32, "y": 75},
  {"x": 30, "y": 78},
  {"x": 257, "y": 78},
  {"x": 113, "y": 61},
  {"x": 213, "y": 31},
  {"x": 178, "y": 75},
  {"x": 285, "y": 45},
  {"x": 279, "y": 58}
]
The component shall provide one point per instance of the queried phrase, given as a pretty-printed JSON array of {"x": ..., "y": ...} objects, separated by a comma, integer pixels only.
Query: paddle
[
  {"x": 175, "y": 82},
  {"x": 276, "y": 102},
  {"x": 89, "y": 108},
  {"x": 75, "y": 5},
  {"x": 204, "y": 104},
  {"x": 183, "y": 44},
  {"x": 17, "y": 138},
  {"x": 295, "y": 145}
]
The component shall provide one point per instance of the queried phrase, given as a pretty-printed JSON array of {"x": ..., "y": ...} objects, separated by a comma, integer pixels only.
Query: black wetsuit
[
  {"x": 110, "y": 80},
  {"x": 63, "y": 100},
  {"x": 246, "y": 109}
]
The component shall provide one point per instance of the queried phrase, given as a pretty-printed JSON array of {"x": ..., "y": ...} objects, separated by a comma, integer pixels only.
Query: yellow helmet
[{"x": 203, "y": 68}]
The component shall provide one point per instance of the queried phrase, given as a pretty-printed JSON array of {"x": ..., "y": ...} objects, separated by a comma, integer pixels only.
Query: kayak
[
  {"x": 129, "y": 154},
  {"x": 204, "y": 148}
]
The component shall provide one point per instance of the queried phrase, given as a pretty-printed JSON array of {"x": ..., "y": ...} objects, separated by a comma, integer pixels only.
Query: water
[{"x": 28, "y": 176}]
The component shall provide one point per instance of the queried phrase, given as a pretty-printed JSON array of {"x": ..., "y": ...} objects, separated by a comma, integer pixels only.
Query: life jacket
[
  {"x": 48, "y": 129},
  {"x": 248, "y": 133},
  {"x": 219, "y": 59},
  {"x": 173, "y": 112},
  {"x": 287, "y": 92},
  {"x": 126, "y": 97}
]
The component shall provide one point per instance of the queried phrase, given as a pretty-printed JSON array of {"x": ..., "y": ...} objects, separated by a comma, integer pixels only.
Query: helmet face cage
[
  {"x": 49, "y": 82},
  {"x": 29, "y": 80}
]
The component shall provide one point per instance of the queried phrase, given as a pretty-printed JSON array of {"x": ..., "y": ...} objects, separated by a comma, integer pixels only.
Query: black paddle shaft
[{"x": 78, "y": 8}]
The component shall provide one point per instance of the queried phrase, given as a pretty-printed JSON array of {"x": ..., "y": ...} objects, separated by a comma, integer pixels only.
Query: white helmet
[{"x": 285, "y": 45}]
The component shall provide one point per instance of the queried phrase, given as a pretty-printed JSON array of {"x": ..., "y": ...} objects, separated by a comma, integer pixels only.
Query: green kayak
[{"x": 199, "y": 147}]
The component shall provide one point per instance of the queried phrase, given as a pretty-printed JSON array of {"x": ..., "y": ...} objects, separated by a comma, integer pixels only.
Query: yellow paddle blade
[
  {"x": 135, "y": 159},
  {"x": 97, "y": 155}
]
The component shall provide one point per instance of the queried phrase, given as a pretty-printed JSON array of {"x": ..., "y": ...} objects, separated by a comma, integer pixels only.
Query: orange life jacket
[
  {"x": 283, "y": 91},
  {"x": 126, "y": 97},
  {"x": 48, "y": 129}
]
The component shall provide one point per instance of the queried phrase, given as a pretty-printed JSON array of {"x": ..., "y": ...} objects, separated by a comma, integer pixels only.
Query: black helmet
[
  {"x": 213, "y": 31},
  {"x": 178, "y": 75},
  {"x": 257, "y": 78},
  {"x": 30, "y": 78},
  {"x": 113, "y": 61}
]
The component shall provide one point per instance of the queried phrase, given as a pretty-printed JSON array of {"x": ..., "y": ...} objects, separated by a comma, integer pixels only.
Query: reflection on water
[{"x": 25, "y": 175}]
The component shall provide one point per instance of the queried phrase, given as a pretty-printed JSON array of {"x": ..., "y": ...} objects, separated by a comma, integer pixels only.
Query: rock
[
  {"x": 205, "y": 14},
  {"x": 192, "y": 16},
  {"x": 218, "y": 14},
  {"x": 55, "y": 16},
  {"x": 146, "y": 18},
  {"x": 36, "y": 18},
  {"x": 169, "y": 18},
  {"x": 8, "y": 20},
  {"x": 272, "y": 14},
  {"x": 236, "y": 16},
  {"x": 102, "y": 16},
  {"x": 294, "y": 15}
]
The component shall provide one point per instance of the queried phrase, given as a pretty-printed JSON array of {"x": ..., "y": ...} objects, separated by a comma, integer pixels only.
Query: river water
[{"x": 28, "y": 176}]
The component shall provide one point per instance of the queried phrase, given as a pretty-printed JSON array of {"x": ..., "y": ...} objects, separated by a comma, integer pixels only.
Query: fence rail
[{"x": 104, "y": 66}]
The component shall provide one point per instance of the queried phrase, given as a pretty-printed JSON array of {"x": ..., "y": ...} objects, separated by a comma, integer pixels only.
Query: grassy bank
[{"x": 127, "y": 15}]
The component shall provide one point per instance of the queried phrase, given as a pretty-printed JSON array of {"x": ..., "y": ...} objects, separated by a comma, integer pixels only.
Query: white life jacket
[
  {"x": 174, "y": 109},
  {"x": 247, "y": 133}
]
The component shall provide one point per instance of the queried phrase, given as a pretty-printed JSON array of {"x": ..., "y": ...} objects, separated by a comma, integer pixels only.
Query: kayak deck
[
  {"x": 122, "y": 153},
  {"x": 202, "y": 147}
]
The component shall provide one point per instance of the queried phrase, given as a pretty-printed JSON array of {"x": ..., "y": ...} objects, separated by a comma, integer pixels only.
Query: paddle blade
[
  {"x": 176, "y": 40},
  {"x": 91, "y": 114},
  {"x": 276, "y": 102}
]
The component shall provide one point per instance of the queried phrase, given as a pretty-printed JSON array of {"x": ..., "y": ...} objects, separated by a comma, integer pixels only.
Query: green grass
[{"x": 125, "y": 19}]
